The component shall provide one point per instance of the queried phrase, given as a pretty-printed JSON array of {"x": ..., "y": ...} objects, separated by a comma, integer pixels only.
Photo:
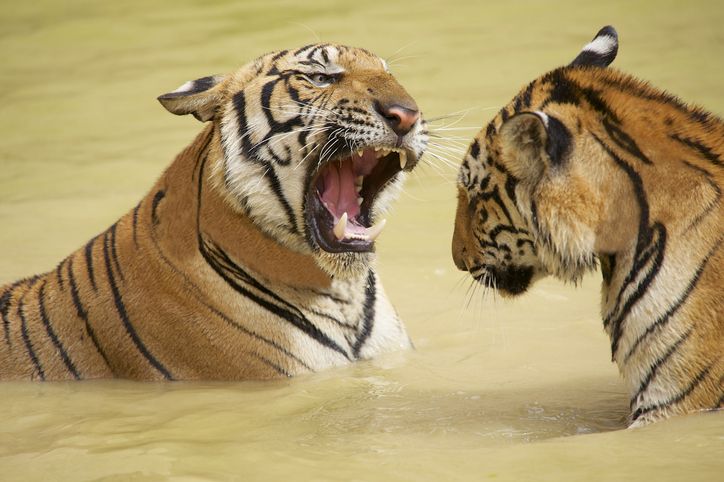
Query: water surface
[{"x": 503, "y": 390}]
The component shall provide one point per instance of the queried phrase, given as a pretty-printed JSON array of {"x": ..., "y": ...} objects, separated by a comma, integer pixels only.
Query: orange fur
[
  {"x": 591, "y": 163},
  {"x": 200, "y": 280}
]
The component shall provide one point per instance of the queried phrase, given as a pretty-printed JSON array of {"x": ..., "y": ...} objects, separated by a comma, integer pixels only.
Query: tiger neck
[
  {"x": 220, "y": 233},
  {"x": 650, "y": 312}
]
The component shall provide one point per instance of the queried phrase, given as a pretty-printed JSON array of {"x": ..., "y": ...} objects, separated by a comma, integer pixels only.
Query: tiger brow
[{"x": 312, "y": 63}]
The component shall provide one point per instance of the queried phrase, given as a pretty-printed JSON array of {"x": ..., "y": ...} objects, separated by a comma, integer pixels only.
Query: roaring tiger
[
  {"x": 253, "y": 255},
  {"x": 587, "y": 163}
]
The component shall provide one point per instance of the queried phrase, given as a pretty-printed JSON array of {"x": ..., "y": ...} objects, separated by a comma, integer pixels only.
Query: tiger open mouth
[{"x": 341, "y": 195}]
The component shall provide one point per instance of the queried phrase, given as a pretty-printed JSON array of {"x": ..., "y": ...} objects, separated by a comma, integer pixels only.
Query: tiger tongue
[{"x": 339, "y": 194}]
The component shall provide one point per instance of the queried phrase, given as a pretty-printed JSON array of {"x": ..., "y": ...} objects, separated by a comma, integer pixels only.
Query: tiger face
[
  {"x": 313, "y": 144},
  {"x": 492, "y": 240},
  {"x": 528, "y": 201}
]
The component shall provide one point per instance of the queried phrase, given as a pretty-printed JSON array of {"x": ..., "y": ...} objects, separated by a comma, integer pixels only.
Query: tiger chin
[
  {"x": 587, "y": 164},
  {"x": 253, "y": 255}
]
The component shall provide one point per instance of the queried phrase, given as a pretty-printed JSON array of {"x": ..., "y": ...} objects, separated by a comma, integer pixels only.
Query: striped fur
[
  {"x": 214, "y": 274},
  {"x": 589, "y": 164}
]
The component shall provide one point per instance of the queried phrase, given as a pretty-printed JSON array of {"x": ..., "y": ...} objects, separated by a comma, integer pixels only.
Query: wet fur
[
  {"x": 212, "y": 275},
  {"x": 638, "y": 186}
]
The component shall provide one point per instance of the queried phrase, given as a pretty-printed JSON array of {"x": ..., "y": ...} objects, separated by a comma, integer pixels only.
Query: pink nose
[{"x": 400, "y": 119}]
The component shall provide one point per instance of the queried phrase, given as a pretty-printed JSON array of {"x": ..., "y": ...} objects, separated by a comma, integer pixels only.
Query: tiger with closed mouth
[
  {"x": 253, "y": 255},
  {"x": 589, "y": 164}
]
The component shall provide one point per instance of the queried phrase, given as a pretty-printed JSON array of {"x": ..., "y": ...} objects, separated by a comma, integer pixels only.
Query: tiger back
[
  {"x": 252, "y": 257},
  {"x": 585, "y": 165}
]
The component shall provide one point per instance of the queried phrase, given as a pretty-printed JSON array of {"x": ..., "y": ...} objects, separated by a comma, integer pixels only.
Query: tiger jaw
[{"x": 341, "y": 195}]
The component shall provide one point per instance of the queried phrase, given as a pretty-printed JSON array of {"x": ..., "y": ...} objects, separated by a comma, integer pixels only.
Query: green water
[{"x": 520, "y": 390}]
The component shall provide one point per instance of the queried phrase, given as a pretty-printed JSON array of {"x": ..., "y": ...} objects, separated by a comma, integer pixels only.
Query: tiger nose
[{"x": 398, "y": 117}]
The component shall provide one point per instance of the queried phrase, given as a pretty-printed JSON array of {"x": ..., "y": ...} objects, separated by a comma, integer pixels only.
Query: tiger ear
[
  {"x": 532, "y": 142},
  {"x": 198, "y": 97},
  {"x": 601, "y": 50}
]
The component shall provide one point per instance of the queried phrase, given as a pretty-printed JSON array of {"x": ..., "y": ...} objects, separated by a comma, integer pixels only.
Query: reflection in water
[{"x": 496, "y": 389}]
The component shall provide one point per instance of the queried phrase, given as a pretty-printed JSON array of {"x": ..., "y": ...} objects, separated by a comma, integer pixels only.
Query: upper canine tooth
[
  {"x": 375, "y": 230},
  {"x": 403, "y": 159},
  {"x": 341, "y": 226}
]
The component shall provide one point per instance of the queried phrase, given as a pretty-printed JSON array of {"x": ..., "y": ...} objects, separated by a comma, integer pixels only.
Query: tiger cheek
[{"x": 462, "y": 232}]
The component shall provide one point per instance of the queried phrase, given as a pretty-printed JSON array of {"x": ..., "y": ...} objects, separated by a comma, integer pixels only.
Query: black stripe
[
  {"x": 135, "y": 223},
  {"x": 700, "y": 148},
  {"x": 336, "y": 299},
  {"x": 89, "y": 262},
  {"x": 26, "y": 337},
  {"x": 121, "y": 309},
  {"x": 617, "y": 323},
  {"x": 368, "y": 313},
  {"x": 624, "y": 141},
  {"x": 247, "y": 149},
  {"x": 566, "y": 91},
  {"x": 663, "y": 319},
  {"x": 494, "y": 195},
  {"x": 157, "y": 198},
  {"x": 331, "y": 318},
  {"x": 475, "y": 149},
  {"x": 674, "y": 400},
  {"x": 292, "y": 315},
  {"x": 58, "y": 273},
  {"x": 114, "y": 253},
  {"x": 197, "y": 291},
  {"x": 199, "y": 85},
  {"x": 83, "y": 314},
  {"x": 300, "y": 50},
  {"x": 654, "y": 368},
  {"x": 276, "y": 186},
  {"x": 53, "y": 337},
  {"x": 713, "y": 184},
  {"x": 5, "y": 301},
  {"x": 272, "y": 365},
  {"x": 634, "y": 87},
  {"x": 651, "y": 241}
]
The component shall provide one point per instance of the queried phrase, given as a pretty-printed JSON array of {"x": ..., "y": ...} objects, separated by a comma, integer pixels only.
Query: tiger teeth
[
  {"x": 359, "y": 152},
  {"x": 359, "y": 201},
  {"x": 403, "y": 159},
  {"x": 375, "y": 230},
  {"x": 340, "y": 227}
]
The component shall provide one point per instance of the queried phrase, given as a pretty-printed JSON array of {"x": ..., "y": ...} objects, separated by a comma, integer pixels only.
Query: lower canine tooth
[
  {"x": 359, "y": 201},
  {"x": 341, "y": 227},
  {"x": 403, "y": 159},
  {"x": 374, "y": 231}
]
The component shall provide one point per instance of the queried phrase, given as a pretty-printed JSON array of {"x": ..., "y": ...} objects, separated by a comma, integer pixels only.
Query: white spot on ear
[
  {"x": 601, "y": 45},
  {"x": 543, "y": 116},
  {"x": 184, "y": 88}
]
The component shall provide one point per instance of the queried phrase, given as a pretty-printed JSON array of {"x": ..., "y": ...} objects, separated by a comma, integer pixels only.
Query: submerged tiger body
[
  {"x": 587, "y": 163},
  {"x": 237, "y": 264}
]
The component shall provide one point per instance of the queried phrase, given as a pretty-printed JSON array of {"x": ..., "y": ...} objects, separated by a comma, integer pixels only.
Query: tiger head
[
  {"x": 525, "y": 201},
  {"x": 312, "y": 145}
]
